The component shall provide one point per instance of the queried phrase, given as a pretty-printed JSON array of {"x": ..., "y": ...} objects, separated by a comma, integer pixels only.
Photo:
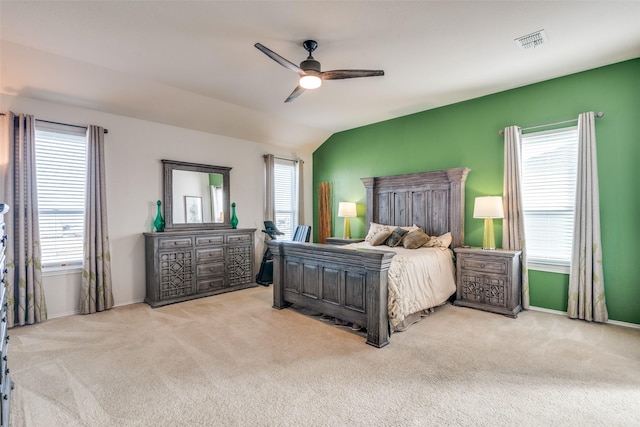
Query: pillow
[
  {"x": 412, "y": 228},
  {"x": 414, "y": 239},
  {"x": 380, "y": 236},
  {"x": 374, "y": 228},
  {"x": 439, "y": 242},
  {"x": 396, "y": 237}
]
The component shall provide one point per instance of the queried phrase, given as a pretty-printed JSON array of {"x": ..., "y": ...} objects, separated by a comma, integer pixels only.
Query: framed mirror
[{"x": 195, "y": 195}]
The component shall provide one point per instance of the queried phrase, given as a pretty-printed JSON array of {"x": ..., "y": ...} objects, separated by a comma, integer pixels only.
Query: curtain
[
  {"x": 299, "y": 174},
  {"x": 269, "y": 188},
  {"x": 513, "y": 237},
  {"x": 96, "y": 291},
  {"x": 25, "y": 295},
  {"x": 586, "y": 278}
]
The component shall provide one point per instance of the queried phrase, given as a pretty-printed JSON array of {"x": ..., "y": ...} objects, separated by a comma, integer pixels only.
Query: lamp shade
[
  {"x": 310, "y": 81},
  {"x": 488, "y": 207},
  {"x": 347, "y": 209}
]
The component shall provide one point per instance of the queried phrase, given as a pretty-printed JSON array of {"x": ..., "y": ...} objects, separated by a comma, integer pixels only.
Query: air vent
[{"x": 532, "y": 40}]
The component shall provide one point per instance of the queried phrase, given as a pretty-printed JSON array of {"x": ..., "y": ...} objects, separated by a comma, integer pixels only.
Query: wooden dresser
[
  {"x": 183, "y": 265},
  {"x": 489, "y": 280},
  {"x": 6, "y": 385}
]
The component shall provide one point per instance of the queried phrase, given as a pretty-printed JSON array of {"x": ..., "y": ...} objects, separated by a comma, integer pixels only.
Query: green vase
[
  {"x": 158, "y": 224},
  {"x": 234, "y": 218}
]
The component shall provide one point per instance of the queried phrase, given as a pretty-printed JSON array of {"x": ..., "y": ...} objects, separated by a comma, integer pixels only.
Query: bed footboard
[{"x": 349, "y": 284}]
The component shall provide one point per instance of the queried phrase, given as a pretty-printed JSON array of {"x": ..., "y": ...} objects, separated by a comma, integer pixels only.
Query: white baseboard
[
  {"x": 564, "y": 313},
  {"x": 71, "y": 313}
]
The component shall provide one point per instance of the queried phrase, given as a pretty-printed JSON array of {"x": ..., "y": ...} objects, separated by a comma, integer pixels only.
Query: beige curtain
[
  {"x": 96, "y": 291},
  {"x": 300, "y": 176},
  {"x": 25, "y": 295},
  {"x": 269, "y": 202},
  {"x": 586, "y": 279},
  {"x": 513, "y": 236}
]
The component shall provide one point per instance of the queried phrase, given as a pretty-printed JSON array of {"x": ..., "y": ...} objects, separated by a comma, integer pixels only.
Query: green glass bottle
[
  {"x": 158, "y": 224},
  {"x": 234, "y": 218}
]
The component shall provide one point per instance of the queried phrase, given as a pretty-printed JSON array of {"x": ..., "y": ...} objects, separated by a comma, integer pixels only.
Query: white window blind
[
  {"x": 285, "y": 197},
  {"x": 61, "y": 153},
  {"x": 549, "y": 167}
]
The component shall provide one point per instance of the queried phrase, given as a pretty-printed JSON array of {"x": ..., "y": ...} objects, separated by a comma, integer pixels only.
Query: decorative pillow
[
  {"x": 439, "y": 242},
  {"x": 374, "y": 228},
  {"x": 414, "y": 239},
  {"x": 380, "y": 236},
  {"x": 412, "y": 228},
  {"x": 396, "y": 237}
]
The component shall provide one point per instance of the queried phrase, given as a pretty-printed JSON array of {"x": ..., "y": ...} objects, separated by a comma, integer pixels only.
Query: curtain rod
[
  {"x": 67, "y": 124},
  {"x": 58, "y": 123},
  {"x": 597, "y": 115}
]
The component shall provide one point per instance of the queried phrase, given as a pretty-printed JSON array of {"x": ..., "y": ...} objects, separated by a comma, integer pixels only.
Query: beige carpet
[{"x": 232, "y": 360}]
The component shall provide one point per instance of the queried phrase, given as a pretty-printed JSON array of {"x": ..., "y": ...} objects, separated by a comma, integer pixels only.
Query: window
[
  {"x": 285, "y": 197},
  {"x": 549, "y": 173},
  {"x": 61, "y": 177}
]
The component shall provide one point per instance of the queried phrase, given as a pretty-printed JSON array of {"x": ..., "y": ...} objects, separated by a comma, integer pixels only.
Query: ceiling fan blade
[
  {"x": 279, "y": 59},
  {"x": 349, "y": 74},
  {"x": 296, "y": 93}
]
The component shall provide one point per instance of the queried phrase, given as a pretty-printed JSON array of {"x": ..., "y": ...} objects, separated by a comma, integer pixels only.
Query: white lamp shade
[
  {"x": 488, "y": 207},
  {"x": 310, "y": 81},
  {"x": 347, "y": 209}
]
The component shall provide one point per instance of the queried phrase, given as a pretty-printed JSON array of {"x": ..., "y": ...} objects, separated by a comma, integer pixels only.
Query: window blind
[
  {"x": 285, "y": 198},
  {"x": 549, "y": 173},
  {"x": 61, "y": 177}
]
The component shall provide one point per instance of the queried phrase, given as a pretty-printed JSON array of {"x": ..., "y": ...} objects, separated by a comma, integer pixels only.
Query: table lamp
[
  {"x": 347, "y": 210},
  {"x": 488, "y": 207}
]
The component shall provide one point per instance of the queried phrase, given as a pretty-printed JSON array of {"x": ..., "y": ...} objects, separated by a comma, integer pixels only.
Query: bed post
[
  {"x": 457, "y": 178},
  {"x": 278, "y": 285}
]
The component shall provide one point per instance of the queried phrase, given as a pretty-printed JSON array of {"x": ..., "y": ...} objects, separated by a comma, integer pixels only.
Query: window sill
[
  {"x": 60, "y": 271},
  {"x": 549, "y": 268}
]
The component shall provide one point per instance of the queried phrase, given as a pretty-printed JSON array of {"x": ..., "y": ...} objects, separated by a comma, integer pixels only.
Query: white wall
[{"x": 133, "y": 150}]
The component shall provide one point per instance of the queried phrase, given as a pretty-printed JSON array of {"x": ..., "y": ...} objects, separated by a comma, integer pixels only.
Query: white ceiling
[{"x": 193, "y": 64}]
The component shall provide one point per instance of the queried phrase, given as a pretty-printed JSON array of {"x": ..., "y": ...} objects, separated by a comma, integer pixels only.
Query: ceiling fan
[{"x": 309, "y": 70}]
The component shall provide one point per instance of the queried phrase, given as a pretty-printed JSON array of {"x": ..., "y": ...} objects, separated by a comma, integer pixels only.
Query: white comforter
[{"x": 419, "y": 279}]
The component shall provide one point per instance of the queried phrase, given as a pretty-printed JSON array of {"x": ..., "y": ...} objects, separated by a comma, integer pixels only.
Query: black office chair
[
  {"x": 265, "y": 275},
  {"x": 302, "y": 233}
]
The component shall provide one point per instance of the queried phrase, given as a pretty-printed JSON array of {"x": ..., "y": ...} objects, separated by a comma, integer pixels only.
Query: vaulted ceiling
[{"x": 193, "y": 64}]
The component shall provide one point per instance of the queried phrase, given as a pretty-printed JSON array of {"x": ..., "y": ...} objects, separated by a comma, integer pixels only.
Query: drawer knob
[
  {"x": 4, "y": 357},
  {"x": 482, "y": 265},
  {"x": 7, "y": 371},
  {"x": 5, "y": 397},
  {"x": 4, "y": 319}
]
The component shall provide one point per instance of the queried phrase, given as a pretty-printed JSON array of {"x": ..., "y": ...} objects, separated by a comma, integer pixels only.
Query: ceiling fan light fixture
[{"x": 310, "y": 81}]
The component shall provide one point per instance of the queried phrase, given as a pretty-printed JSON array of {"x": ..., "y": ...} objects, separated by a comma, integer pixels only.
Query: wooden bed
[{"x": 351, "y": 284}]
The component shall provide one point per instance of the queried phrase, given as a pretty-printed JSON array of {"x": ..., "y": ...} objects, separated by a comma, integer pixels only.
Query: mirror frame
[{"x": 168, "y": 167}]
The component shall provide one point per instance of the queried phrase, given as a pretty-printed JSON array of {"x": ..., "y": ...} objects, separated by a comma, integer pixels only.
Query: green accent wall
[{"x": 466, "y": 135}]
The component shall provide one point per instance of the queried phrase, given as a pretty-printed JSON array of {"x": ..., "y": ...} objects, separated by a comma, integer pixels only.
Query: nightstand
[
  {"x": 489, "y": 280},
  {"x": 339, "y": 241}
]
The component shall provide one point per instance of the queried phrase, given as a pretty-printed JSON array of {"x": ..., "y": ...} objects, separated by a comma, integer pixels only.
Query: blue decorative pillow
[{"x": 396, "y": 237}]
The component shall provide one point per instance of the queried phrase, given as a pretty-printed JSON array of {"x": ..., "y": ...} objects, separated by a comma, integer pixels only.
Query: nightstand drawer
[{"x": 483, "y": 264}]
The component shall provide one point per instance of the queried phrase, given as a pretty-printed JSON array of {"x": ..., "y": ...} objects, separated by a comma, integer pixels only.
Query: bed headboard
[{"x": 433, "y": 201}]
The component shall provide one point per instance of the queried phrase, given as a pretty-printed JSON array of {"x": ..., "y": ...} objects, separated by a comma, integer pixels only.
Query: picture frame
[{"x": 193, "y": 209}]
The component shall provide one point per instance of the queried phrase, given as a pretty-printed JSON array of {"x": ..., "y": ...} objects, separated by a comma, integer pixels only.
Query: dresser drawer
[
  {"x": 211, "y": 254},
  {"x": 238, "y": 238},
  {"x": 210, "y": 284},
  {"x": 210, "y": 239},
  {"x": 480, "y": 263},
  {"x": 210, "y": 269},
  {"x": 175, "y": 242}
]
